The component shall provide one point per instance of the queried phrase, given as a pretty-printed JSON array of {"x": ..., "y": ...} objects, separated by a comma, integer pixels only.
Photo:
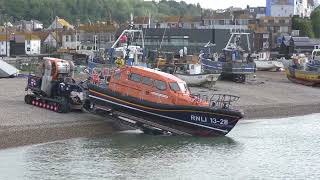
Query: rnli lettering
[
  {"x": 204, "y": 119},
  {"x": 199, "y": 118}
]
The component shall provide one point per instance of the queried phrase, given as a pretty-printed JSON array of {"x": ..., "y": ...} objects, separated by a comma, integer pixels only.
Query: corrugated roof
[
  {"x": 303, "y": 44},
  {"x": 301, "y": 39}
]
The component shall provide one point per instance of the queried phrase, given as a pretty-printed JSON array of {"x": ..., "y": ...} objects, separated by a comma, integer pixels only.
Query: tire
[
  {"x": 64, "y": 106},
  {"x": 28, "y": 99},
  {"x": 239, "y": 78}
]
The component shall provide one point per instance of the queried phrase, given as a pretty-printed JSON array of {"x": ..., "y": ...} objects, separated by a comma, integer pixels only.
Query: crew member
[{"x": 119, "y": 62}]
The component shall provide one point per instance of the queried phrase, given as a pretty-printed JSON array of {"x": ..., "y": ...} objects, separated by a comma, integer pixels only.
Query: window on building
[
  {"x": 147, "y": 81},
  {"x": 28, "y": 49},
  {"x": 28, "y": 42},
  {"x": 221, "y": 22},
  {"x": 135, "y": 77},
  {"x": 160, "y": 85},
  {"x": 67, "y": 38}
]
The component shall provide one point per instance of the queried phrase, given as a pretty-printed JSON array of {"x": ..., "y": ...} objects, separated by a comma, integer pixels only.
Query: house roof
[
  {"x": 224, "y": 15},
  {"x": 190, "y": 19},
  {"x": 3, "y": 37},
  {"x": 64, "y": 23},
  {"x": 141, "y": 20},
  {"x": 172, "y": 19},
  {"x": 98, "y": 27},
  {"x": 31, "y": 37}
]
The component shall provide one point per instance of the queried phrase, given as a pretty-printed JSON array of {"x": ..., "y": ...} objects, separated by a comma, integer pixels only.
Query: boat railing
[{"x": 223, "y": 101}]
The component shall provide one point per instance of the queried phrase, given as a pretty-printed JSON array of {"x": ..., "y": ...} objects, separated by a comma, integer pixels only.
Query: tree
[
  {"x": 315, "y": 19},
  {"x": 304, "y": 25}
]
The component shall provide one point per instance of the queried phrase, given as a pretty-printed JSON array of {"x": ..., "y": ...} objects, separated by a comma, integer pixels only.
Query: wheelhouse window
[
  {"x": 117, "y": 75},
  {"x": 160, "y": 85},
  {"x": 183, "y": 87},
  {"x": 174, "y": 86},
  {"x": 135, "y": 77},
  {"x": 147, "y": 81}
]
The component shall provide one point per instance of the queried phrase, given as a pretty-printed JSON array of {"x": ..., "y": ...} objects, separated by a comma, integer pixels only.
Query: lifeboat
[{"x": 150, "y": 99}]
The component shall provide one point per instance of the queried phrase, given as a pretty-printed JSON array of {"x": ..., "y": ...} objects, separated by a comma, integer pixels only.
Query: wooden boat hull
[
  {"x": 309, "y": 78},
  {"x": 193, "y": 120},
  {"x": 198, "y": 79}
]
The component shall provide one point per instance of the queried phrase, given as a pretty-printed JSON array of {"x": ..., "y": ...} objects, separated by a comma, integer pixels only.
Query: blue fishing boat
[{"x": 233, "y": 62}]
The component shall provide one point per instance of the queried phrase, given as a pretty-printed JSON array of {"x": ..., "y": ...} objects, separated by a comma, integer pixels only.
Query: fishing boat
[
  {"x": 301, "y": 71},
  {"x": 301, "y": 76},
  {"x": 264, "y": 63},
  {"x": 233, "y": 62},
  {"x": 157, "y": 101},
  {"x": 193, "y": 75},
  {"x": 313, "y": 63}
]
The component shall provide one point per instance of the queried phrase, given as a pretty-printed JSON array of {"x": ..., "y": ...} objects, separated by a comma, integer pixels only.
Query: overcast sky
[{"x": 222, "y": 4}]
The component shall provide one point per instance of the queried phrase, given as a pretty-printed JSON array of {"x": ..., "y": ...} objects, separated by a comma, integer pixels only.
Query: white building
[
  {"x": 32, "y": 45},
  {"x": 289, "y": 8},
  {"x": 52, "y": 40},
  {"x": 3, "y": 41},
  {"x": 28, "y": 25}
]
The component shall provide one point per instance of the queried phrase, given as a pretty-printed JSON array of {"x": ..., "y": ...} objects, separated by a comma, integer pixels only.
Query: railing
[{"x": 223, "y": 101}]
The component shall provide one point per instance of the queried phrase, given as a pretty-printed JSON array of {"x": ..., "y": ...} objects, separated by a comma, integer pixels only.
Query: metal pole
[{"x": 6, "y": 40}]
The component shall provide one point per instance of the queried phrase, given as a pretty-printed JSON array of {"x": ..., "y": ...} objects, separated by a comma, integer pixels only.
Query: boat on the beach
[
  {"x": 233, "y": 62},
  {"x": 264, "y": 63},
  {"x": 7, "y": 70},
  {"x": 300, "y": 71},
  {"x": 309, "y": 78},
  {"x": 313, "y": 63},
  {"x": 194, "y": 75},
  {"x": 156, "y": 101}
]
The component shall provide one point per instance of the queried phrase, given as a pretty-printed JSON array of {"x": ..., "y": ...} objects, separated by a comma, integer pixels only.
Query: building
[
  {"x": 4, "y": 45},
  {"x": 141, "y": 22},
  {"x": 291, "y": 45},
  {"x": 28, "y": 26},
  {"x": 89, "y": 37},
  {"x": 267, "y": 30},
  {"x": 24, "y": 44},
  {"x": 289, "y": 8},
  {"x": 32, "y": 44},
  {"x": 183, "y": 22},
  {"x": 53, "y": 41},
  {"x": 59, "y": 24},
  {"x": 238, "y": 19},
  {"x": 257, "y": 12}
]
